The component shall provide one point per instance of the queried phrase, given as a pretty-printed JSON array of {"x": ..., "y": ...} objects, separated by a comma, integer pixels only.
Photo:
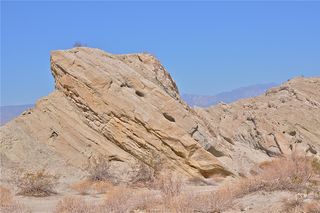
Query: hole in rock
[
  {"x": 140, "y": 94},
  {"x": 292, "y": 133},
  {"x": 169, "y": 117}
]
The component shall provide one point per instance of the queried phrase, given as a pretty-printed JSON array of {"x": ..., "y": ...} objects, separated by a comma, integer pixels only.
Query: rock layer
[
  {"x": 284, "y": 120},
  {"x": 128, "y": 108}
]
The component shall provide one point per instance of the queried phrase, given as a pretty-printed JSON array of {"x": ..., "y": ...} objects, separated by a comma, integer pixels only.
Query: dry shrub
[
  {"x": 38, "y": 183},
  {"x": 293, "y": 173},
  {"x": 99, "y": 169},
  {"x": 171, "y": 199},
  {"x": 312, "y": 207},
  {"x": 102, "y": 187},
  {"x": 5, "y": 196},
  {"x": 169, "y": 185},
  {"x": 217, "y": 201},
  {"x": 144, "y": 175},
  {"x": 125, "y": 199},
  {"x": 316, "y": 165},
  {"x": 74, "y": 205},
  {"x": 8, "y": 204},
  {"x": 222, "y": 199},
  {"x": 293, "y": 205},
  {"x": 82, "y": 187},
  {"x": 117, "y": 199}
]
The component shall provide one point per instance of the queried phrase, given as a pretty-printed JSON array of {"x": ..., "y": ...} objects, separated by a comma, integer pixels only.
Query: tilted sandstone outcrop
[
  {"x": 125, "y": 107},
  {"x": 128, "y": 108},
  {"x": 285, "y": 119}
]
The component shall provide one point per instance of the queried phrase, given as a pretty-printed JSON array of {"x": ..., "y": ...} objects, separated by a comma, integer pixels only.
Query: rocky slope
[
  {"x": 283, "y": 120},
  {"x": 128, "y": 108}
]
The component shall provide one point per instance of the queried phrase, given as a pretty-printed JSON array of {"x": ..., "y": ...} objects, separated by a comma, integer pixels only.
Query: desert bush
[
  {"x": 316, "y": 166},
  {"x": 293, "y": 205},
  {"x": 169, "y": 185},
  {"x": 5, "y": 196},
  {"x": 118, "y": 200},
  {"x": 82, "y": 187},
  {"x": 99, "y": 169},
  {"x": 38, "y": 183},
  {"x": 293, "y": 173},
  {"x": 74, "y": 205},
  {"x": 102, "y": 186},
  {"x": 312, "y": 207},
  {"x": 8, "y": 204},
  {"x": 79, "y": 44},
  {"x": 144, "y": 175}
]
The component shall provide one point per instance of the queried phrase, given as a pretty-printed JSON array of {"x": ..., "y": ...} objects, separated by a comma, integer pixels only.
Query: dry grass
[
  {"x": 5, "y": 196},
  {"x": 118, "y": 199},
  {"x": 8, "y": 204},
  {"x": 74, "y": 205},
  {"x": 144, "y": 176},
  {"x": 102, "y": 187},
  {"x": 313, "y": 207},
  {"x": 293, "y": 205},
  {"x": 99, "y": 169},
  {"x": 284, "y": 174},
  {"x": 291, "y": 174},
  {"x": 38, "y": 184},
  {"x": 82, "y": 187}
]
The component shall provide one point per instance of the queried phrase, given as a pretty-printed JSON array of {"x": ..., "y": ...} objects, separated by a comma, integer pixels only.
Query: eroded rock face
[
  {"x": 285, "y": 119},
  {"x": 126, "y": 107}
]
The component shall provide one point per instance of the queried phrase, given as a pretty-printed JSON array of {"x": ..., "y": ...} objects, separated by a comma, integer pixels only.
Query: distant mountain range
[
  {"x": 8, "y": 113},
  {"x": 227, "y": 97}
]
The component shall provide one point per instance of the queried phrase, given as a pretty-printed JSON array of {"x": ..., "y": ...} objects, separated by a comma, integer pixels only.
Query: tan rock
[
  {"x": 128, "y": 108},
  {"x": 124, "y": 106},
  {"x": 284, "y": 120}
]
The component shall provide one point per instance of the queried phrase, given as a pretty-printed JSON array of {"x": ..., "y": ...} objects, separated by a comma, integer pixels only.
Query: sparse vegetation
[
  {"x": 38, "y": 184},
  {"x": 79, "y": 44},
  {"x": 82, "y": 187},
  {"x": 293, "y": 174},
  {"x": 99, "y": 169},
  {"x": 8, "y": 204},
  {"x": 102, "y": 187},
  {"x": 74, "y": 205},
  {"x": 312, "y": 207},
  {"x": 144, "y": 175},
  {"x": 170, "y": 185}
]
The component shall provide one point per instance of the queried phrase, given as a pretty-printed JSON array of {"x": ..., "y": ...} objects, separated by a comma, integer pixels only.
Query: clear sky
[{"x": 208, "y": 47}]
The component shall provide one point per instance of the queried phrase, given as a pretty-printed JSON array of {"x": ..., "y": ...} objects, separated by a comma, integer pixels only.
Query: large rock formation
[
  {"x": 128, "y": 108},
  {"x": 125, "y": 107}
]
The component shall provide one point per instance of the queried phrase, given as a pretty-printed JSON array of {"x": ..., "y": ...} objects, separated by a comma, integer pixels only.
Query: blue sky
[{"x": 208, "y": 47}]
